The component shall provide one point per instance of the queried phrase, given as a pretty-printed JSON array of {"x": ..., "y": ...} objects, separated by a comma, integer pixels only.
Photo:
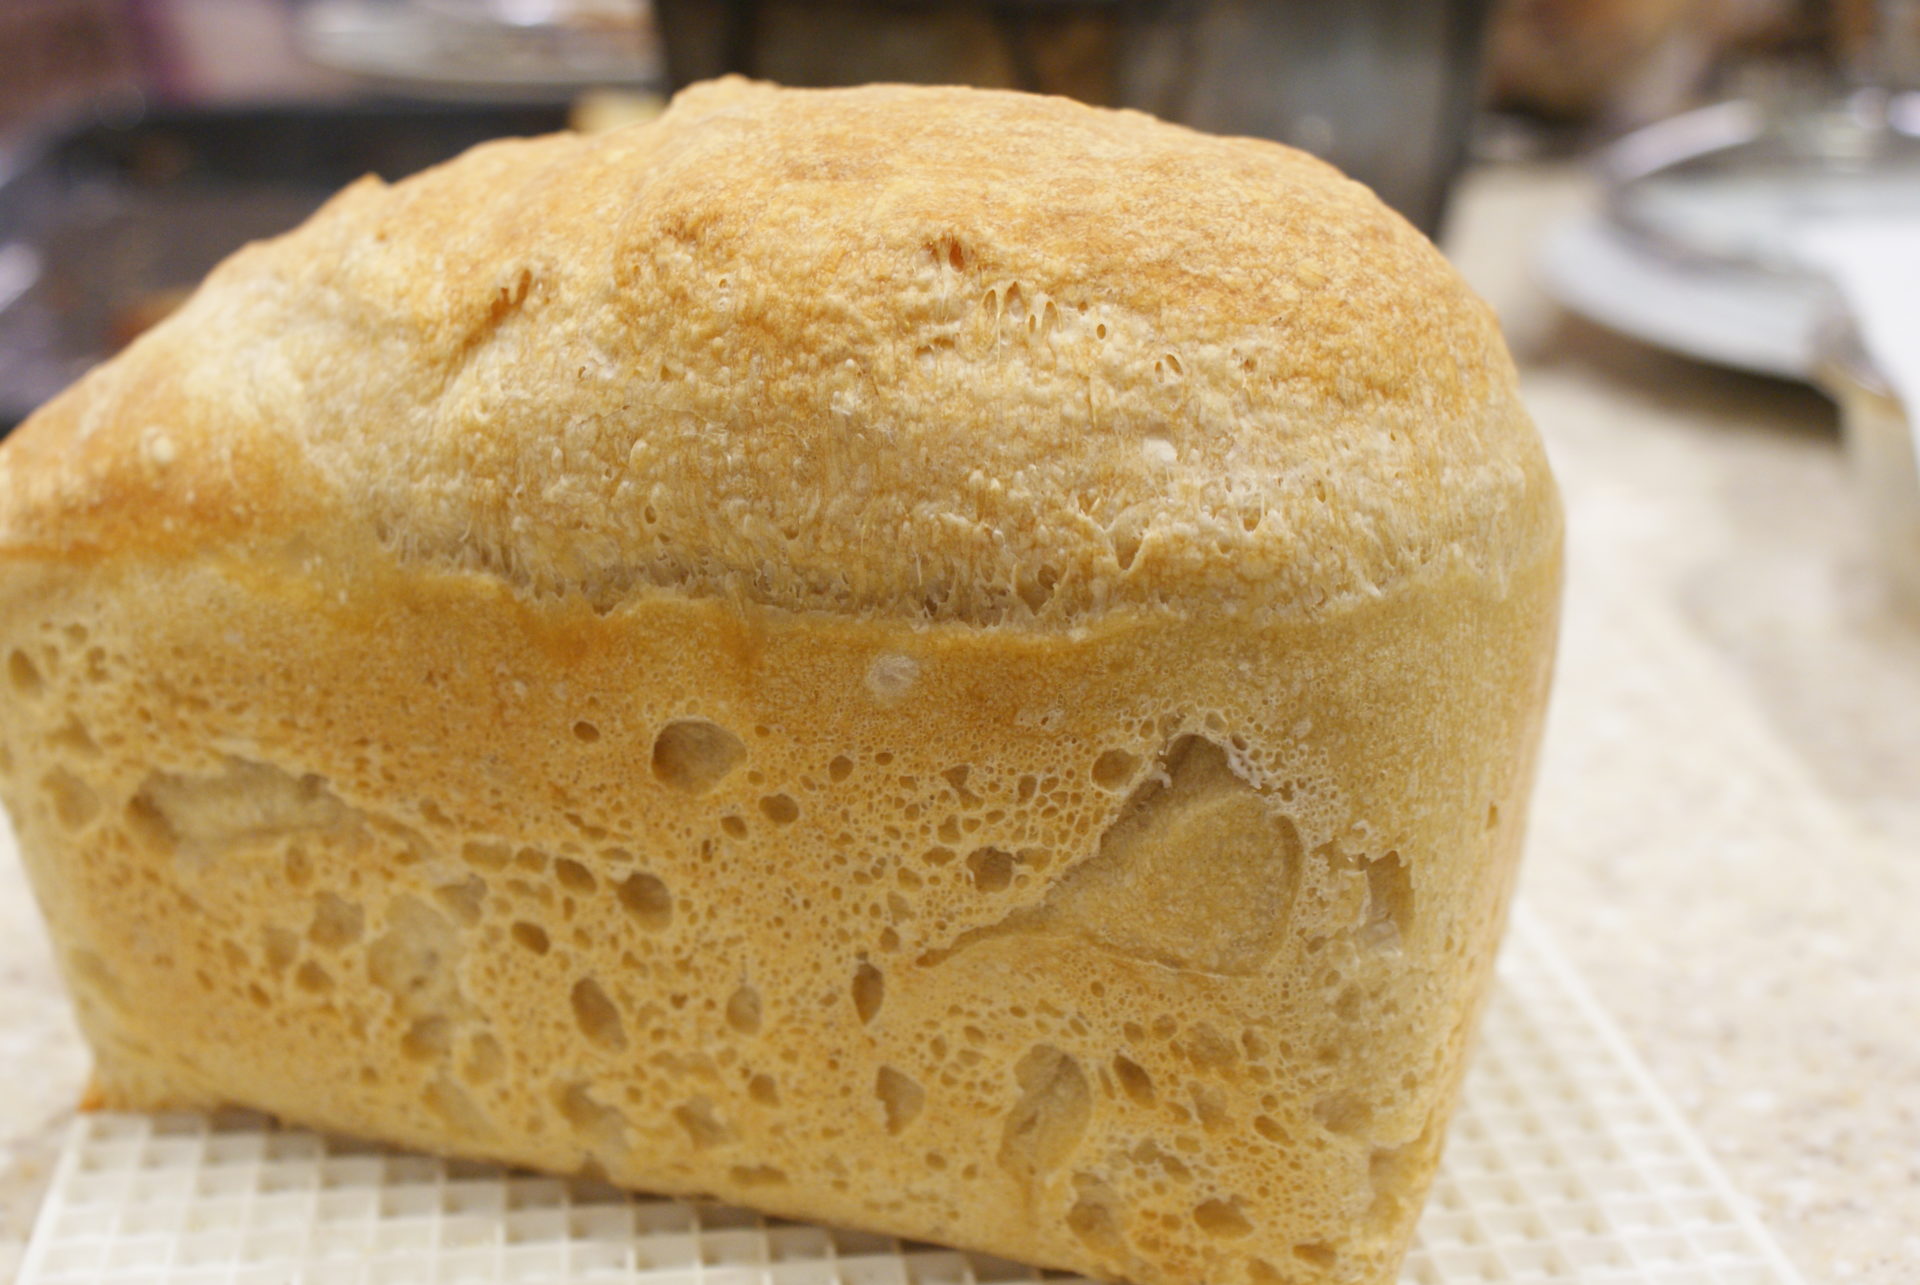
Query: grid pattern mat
[{"x": 1564, "y": 1163}]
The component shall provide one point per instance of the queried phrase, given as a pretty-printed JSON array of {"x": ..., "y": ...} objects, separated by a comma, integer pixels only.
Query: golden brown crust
[
  {"x": 475, "y": 680},
  {"x": 1072, "y": 359}
]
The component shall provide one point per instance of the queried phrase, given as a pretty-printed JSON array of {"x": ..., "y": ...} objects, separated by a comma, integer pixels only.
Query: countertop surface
[{"x": 1726, "y": 834}]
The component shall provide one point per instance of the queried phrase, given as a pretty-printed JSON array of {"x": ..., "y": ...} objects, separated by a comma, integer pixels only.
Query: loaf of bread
[{"x": 930, "y": 659}]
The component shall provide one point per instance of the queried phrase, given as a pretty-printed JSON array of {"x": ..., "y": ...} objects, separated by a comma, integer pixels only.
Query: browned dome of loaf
[{"x": 1070, "y": 360}]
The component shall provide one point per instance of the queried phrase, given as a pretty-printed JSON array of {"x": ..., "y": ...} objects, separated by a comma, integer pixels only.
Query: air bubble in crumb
[
  {"x": 573, "y": 876},
  {"x": 1095, "y": 1216},
  {"x": 1344, "y": 1113},
  {"x": 901, "y": 1098},
  {"x": 757, "y": 1175},
  {"x": 588, "y": 1116},
  {"x": 647, "y": 900},
  {"x": 705, "y": 1130},
  {"x": 596, "y": 1016},
  {"x": 1222, "y": 1219},
  {"x": 485, "y": 1060},
  {"x": 24, "y": 676},
  {"x": 891, "y": 676},
  {"x": 1134, "y": 1080},
  {"x": 693, "y": 755},
  {"x": 743, "y": 1010},
  {"x": 1047, "y": 1121},
  {"x": 336, "y": 922},
  {"x": 1319, "y": 1254},
  {"x": 991, "y": 868},
  {"x": 1114, "y": 769},
  {"x": 869, "y": 989},
  {"x": 75, "y": 739},
  {"x": 466, "y": 900},
  {"x": 75, "y": 804},
  {"x": 427, "y": 1040}
]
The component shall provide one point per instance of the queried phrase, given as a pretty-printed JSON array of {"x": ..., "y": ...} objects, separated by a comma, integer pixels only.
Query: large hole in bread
[
  {"x": 1048, "y": 1119},
  {"x": 1317, "y": 1254},
  {"x": 647, "y": 900},
  {"x": 743, "y": 1010},
  {"x": 74, "y": 738},
  {"x": 599, "y": 1126},
  {"x": 869, "y": 991},
  {"x": 337, "y": 922},
  {"x": 413, "y": 959},
  {"x": 1133, "y": 1079},
  {"x": 1095, "y": 1216},
  {"x": 1114, "y": 769},
  {"x": 456, "y": 1109},
  {"x": 427, "y": 1040},
  {"x": 901, "y": 1098},
  {"x": 74, "y": 802},
  {"x": 465, "y": 900},
  {"x": 597, "y": 1017},
  {"x": 1343, "y": 1113},
  {"x": 246, "y": 805},
  {"x": 573, "y": 876},
  {"x": 485, "y": 1061},
  {"x": 758, "y": 1175},
  {"x": 992, "y": 869},
  {"x": 693, "y": 755},
  {"x": 1197, "y": 872},
  {"x": 704, "y": 1128},
  {"x": 23, "y": 676},
  {"x": 1222, "y": 1219},
  {"x": 1389, "y": 902}
]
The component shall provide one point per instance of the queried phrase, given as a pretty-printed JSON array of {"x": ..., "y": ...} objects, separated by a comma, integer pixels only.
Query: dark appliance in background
[
  {"x": 104, "y": 227},
  {"x": 1385, "y": 89}
]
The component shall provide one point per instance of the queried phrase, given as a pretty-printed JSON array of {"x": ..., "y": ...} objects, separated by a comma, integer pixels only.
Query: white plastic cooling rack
[{"x": 1565, "y": 1163}]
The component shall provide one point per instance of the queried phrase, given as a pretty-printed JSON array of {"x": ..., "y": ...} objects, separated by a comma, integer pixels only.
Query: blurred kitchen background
[
  {"x": 1699, "y": 220},
  {"x": 148, "y": 137}
]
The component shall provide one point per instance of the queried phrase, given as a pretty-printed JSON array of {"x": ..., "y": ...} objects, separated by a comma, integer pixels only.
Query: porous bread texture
[{"x": 651, "y": 655}]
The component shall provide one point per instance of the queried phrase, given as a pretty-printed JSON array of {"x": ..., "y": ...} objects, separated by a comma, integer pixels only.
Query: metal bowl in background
[
  {"x": 1699, "y": 246},
  {"x": 104, "y": 226},
  {"x": 1737, "y": 184},
  {"x": 1383, "y": 89}
]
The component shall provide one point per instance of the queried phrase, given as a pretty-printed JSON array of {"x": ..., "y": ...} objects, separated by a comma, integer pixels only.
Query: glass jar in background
[
  {"x": 1384, "y": 89},
  {"x": 1881, "y": 453}
]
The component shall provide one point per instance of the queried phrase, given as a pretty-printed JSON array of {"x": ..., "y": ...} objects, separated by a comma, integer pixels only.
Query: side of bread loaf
[{"x": 1053, "y": 791}]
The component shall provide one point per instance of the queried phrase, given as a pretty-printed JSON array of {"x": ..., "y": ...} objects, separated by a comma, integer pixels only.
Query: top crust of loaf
[{"x": 938, "y": 354}]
